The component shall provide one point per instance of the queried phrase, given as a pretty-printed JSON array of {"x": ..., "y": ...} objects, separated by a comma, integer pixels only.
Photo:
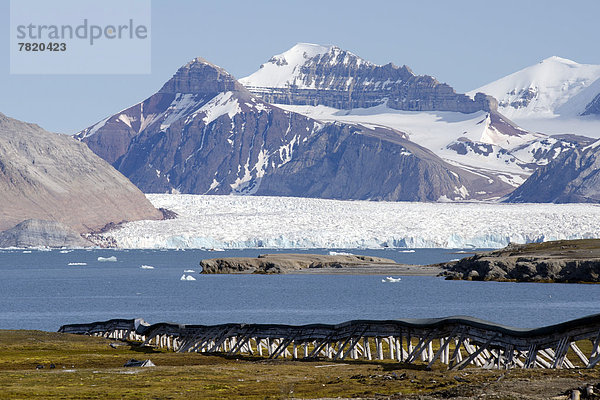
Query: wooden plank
[
  {"x": 421, "y": 347},
  {"x": 341, "y": 348},
  {"x": 379, "y": 348},
  {"x": 392, "y": 347},
  {"x": 579, "y": 353},
  {"x": 440, "y": 351},
  {"x": 561, "y": 352},
  {"x": 456, "y": 353},
  {"x": 467, "y": 360},
  {"x": 531, "y": 357},
  {"x": 367, "y": 347}
]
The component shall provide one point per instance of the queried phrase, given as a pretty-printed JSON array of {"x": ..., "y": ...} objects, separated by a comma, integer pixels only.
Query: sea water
[{"x": 40, "y": 290}]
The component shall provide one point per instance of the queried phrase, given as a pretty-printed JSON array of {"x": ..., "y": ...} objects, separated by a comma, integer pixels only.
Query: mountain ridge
[
  {"x": 337, "y": 78},
  {"x": 209, "y": 141}
]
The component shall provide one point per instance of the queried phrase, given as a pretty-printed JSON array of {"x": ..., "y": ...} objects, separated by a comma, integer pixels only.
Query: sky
[{"x": 465, "y": 43}]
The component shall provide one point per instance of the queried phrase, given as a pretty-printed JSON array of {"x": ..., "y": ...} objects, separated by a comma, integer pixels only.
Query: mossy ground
[{"x": 89, "y": 368}]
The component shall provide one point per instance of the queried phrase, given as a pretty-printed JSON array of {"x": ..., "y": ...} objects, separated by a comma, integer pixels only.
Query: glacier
[{"x": 236, "y": 222}]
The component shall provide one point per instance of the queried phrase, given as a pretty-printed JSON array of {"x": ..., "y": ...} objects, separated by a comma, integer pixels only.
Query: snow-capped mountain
[
  {"x": 574, "y": 177},
  {"x": 553, "y": 96},
  {"x": 331, "y": 84},
  {"x": 204, "y": 133},
  {"x": 309, "y": 74}
]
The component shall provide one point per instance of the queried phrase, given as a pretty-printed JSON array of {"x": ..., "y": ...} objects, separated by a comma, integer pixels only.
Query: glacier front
[{"x": 234, "y": 222}]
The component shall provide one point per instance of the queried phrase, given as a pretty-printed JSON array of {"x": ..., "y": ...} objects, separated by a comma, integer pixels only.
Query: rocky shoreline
[
  {"x": 563, "y": 261},
  {"x": 311, "y": 264}
]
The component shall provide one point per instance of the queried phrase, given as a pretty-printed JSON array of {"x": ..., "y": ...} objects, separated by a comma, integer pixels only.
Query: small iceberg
[
  {"x": 107, "y": 259},
  {"x": 406, "y": 251},
  {"x": 185, "y": 277},
  {"x": 189, "y": 271},
  {"x": 391, "y": 279},
  {"x": 65, "y": 251},
  {"x": 26, "y": 251},
  {"x": 76, "y": 263},
  {"x": 147, "y": 267}
]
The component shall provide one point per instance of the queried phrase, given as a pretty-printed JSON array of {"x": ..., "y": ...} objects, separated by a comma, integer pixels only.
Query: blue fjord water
[{"x": 39, "y": 290}]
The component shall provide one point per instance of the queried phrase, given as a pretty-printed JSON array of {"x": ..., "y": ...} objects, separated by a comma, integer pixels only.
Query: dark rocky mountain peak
[
  {"x": 573, "y": 177},
  {"x": 201, "y": 77}
]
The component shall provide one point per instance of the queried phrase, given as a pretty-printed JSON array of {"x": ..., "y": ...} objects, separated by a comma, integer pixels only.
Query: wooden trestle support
[{"x": 456, "y": 341}]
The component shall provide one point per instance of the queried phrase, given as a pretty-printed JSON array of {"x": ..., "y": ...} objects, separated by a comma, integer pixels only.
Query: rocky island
[
  {"x": 311, "y": 263},
  {"x": 563, "y": 261}
]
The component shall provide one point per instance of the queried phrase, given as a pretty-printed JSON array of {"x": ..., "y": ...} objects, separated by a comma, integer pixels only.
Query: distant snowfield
[
  {"x": 230, "y": 222},
  {"x": 549, "y": 97}
]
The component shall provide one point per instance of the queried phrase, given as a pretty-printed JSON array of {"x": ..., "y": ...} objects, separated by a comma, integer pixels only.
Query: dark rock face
[
  {"x": 526, "y": 269},
  {"x": 52, "y": 177},
  {"x": 345, "y": 162},
  {"x": 204, "y": 140},
  {"x": 593, "y": 108},
  {"x": 563, "y": 261},
  {"x": 524, "y": 97},
  {"x": 342, "y": 80},
  {"x": 39, "y": 233},
  {"x": 200, "y": 77},
  {"x": 282, "y": 263},
  {"x": 228, "y": 155},
  {"x": 574, "y": 177}
]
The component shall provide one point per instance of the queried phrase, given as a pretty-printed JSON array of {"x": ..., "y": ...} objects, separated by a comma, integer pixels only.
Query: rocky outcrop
[
  {"x": 204, "y": 133},
  {"x": 333, "y": 77},
  {"x": 593, "y": 108},
  {"x": 285, "y": 263},
  {"x": 560, "y": 261},
  {"x": 573, "y": 177},
  {"x": 39, "y": 233},
  {"x": 52, "y": 177}
]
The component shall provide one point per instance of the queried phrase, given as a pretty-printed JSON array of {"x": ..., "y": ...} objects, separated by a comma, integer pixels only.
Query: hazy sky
[{"x": 465, "y": 43}]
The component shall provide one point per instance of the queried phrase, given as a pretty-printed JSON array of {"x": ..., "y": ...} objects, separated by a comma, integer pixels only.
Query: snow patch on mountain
[
  {"x": 283, "y": 69},
  {"x": 282, "y": 222},
  {"x": 94, "y": 128},
  {"x": 462, "y": 139},
  {"x": 181, "y": 106},
  {"x": 221, "y": 104}
]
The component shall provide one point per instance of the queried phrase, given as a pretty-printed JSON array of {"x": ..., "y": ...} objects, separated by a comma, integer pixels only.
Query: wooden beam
[
  {"x": 579, "y": 353},
  {"x": 467, "y": 360},
  {"x": 440, "y": 351}
]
